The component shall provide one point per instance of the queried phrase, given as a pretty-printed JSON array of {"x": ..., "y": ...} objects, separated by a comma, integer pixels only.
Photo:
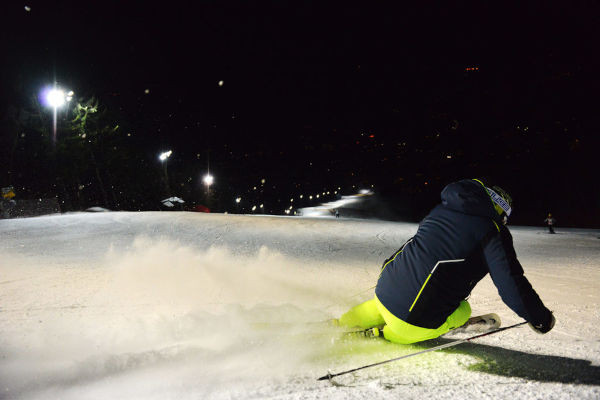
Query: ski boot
[{"x": 375, "y": 332}]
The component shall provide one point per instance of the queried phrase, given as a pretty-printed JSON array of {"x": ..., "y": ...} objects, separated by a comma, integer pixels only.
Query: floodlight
[
  {"x": 208, "y": 179},
  {"x": 56, "y": 98},
  {"x": 163, "y": 156}
]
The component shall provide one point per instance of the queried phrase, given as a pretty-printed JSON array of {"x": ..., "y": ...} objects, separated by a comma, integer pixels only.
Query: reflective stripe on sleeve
[{"x": 427, "y": 280}]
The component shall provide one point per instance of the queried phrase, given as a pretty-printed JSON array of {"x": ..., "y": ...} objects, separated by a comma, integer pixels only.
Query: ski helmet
[{"x": 502, "y": 201}]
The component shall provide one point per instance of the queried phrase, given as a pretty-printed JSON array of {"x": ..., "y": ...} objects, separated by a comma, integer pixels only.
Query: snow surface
[{"x": 178, "y": 305}]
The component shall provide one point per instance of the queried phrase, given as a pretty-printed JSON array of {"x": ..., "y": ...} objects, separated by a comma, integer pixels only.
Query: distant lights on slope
[{"x": 322, "y": 196}]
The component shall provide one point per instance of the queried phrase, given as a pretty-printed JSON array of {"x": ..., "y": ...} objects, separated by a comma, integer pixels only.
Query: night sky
[{"x": 307, "y": 96}]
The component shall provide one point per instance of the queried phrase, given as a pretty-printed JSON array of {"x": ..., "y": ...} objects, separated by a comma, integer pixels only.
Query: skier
[
  {"x": 422, "y": 288},
  {"x": 550, "y": 221}
]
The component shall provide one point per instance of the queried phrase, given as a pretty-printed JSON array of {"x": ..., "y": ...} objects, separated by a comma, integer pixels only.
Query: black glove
[{"x": 544, "y": 328}]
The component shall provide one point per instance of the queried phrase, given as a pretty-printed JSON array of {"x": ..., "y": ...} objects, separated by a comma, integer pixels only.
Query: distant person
[
  {"x": 7, "y": 202},
  {"x": 422, "y": 289},
  {"x": 550, "y": 221},
  {"x": 337, "y": 213}
]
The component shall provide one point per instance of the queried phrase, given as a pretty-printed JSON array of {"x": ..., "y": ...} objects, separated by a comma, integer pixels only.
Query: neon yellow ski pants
[{"x": 372, "y": 313}]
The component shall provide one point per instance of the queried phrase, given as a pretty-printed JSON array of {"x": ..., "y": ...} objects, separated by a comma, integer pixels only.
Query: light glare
[
  {"x": 56, "y": 98},
  {"x": 208, "y": 179},
  {"x": 163, "y": 156}
]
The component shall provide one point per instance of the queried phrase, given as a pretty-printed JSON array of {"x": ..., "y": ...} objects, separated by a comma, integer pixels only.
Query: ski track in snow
[{"x": 187, "y": 306}]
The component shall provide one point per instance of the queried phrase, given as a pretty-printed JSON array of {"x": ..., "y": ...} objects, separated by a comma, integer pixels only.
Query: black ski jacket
[{"x": 456, "y": 245}]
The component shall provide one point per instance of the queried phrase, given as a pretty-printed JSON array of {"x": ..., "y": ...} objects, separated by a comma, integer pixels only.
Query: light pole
[
  {"x": 164, "y": 157},
  {"x": 56, "y": 98}
]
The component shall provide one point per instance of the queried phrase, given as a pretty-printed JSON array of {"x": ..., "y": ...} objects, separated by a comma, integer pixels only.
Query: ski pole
[{"x": 443, "y": 346}]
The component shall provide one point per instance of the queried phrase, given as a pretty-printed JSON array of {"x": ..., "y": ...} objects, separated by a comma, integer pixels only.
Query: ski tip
[
  {"x": 325, "y": 377},
  {"x": 497, "y": 322}
]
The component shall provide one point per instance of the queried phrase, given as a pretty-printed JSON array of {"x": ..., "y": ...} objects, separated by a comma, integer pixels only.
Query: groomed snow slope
[{"x": 193, "y": 306}]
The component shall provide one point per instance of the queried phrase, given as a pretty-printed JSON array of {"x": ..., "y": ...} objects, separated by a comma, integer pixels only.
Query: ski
[{"x": 480, "y": 323}]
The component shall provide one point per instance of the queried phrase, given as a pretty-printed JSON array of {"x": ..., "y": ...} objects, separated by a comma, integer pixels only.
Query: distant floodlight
[
  {"x": 208, "y": 179},
  {"x": 56, "y": 98},
  {"x": 163, "y": 156},
  {"x": 237, "y": 200},
  {"x": 253, "y": 208}
]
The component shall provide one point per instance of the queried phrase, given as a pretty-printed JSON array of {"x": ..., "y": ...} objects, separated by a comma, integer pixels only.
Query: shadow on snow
[{"x": 517, "y": 364}]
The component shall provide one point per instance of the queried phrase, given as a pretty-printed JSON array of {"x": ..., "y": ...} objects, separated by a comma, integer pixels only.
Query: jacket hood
[{"x": 469, "y": 197}]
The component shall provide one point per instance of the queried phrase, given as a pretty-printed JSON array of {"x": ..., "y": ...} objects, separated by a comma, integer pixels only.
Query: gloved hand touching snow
[{"x": 545, "y": 327}]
